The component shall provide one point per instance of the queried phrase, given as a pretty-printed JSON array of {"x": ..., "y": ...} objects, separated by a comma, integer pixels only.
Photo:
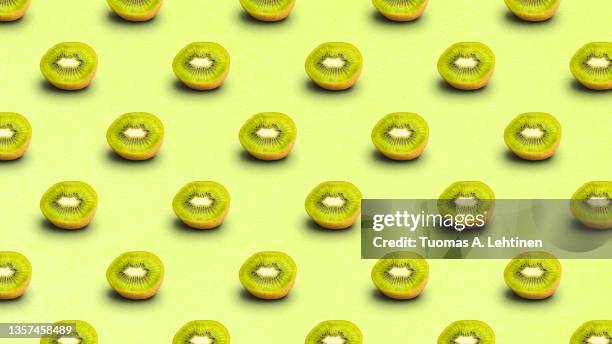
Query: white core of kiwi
[
  {"x": 6, "y": 272},
  {"x": 201, "y": 202},
  {"x": 333, "y": 202},
  {"x": 598, "y": 202},
  {"x": 532, "y": 272},
  {"x": 69, "y": 340},
  {"x": 267, "y": 272},
  {"x": 598, "y": 340},
  {"x": 400, "y": 133},
  {"x": 599, "y": 62},
  {"x": 400, "y": 272},
  {"x": 135, "y": 272},
  {"x": 334, "y": 340},
  {"x": 466, "y": 62},
  {"x": 267, "y": 133},
  {"x": 135, "y": 133},
  {"x": 466, "y": 340},
  {"x": 201, "y": 62},
  {"x": 69, "y": 202},
  {"x": 533, "y": 133},
  {"x": 466, "y": 202},
  {"x": 201, "y": 340},
  {"x": 69, "y": 62},
  {"x": 333, "y": 62},
  {"x": 6, "y": 133}
]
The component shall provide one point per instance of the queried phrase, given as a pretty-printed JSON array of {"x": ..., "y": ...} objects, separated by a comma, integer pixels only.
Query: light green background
[{"x": 267, "y": 199}]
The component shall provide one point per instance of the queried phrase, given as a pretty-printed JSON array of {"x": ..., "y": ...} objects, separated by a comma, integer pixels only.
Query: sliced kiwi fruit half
[
  {"x": 467, "y": 65},
  {"x": 401, "y": 275},
  {"x": 464, "y": 198},
  {"x": 82, "y": 333},
  {"x": 533, "y": 135},
  {"x": 15, "y": 275},
  {"x": 202, "y": 204},
  {"x": 591, "y": 65},
  {"x": 335, "y": 331},
  {"x": 268, "y": 10},
  {"x": 11, "y": 10},
  {"x": 533, "y": 10},
  {"x": 401, "y": 10},
  {"x": 334, "y": 66},
  {"x": 401, "y": 135},
  {"x": 533, "y": 275},
  {"x": 202, "y": 65},
  {"x": 268, "y": 275},
  {"x": 334, "y": 204},
  {"x": 136, "y": 135},
  {"x": 70, "y": 65},
  {"x": 136, "y": 275},
  {"x": 202, "y": 332},
  {"x": 136, "y": 10},
  {"x": 15, "y": 135},
  {"x": 69, "y": 204},
  {"x": 268, "y": 135},
  {"x": 591, "y": 204},
  {"x": 467, "y": 332},
  {"x": 593, "y": 332}
]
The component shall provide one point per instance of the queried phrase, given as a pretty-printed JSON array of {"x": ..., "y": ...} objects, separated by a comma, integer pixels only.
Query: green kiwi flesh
[
  {"x": 335, "y": 331},
  {"x": 83, "y": 333},
  {"x": 15, "y": 275},
  {"x": 533, "y": 135},
  {"x": 268, "y": 10},
  {"x": 591, "y": 65},
  {"x": 136, "y": 135},
  {"x": 136, "y": 275},
  {"x": 268, "y": 275},
  {"x": 202, "y": 65},
  {"x": 334, "y": 204},
  {"x": 591, "y": 204},
  {"x": 467, "y": 198},
  {"x": 533, "y": 275},
  {"x": 533, "y": 10},
  {"x": 467, "y": 65},
  {"x": 70, "y": 65},
  {"x": 593, "y": 332},
  {"x": 202, "y": 331},
  {"x": 202, "y": 204},
  {"x": 334, "y": 65},
  {"x": 268, "y": 135},
  {"x": 401, "y": 275},
  {"x": 11, "y": 10},
  {"x": 15, "y": 135},
  {"x": 401, "y": 135},
  {"x": 69, "y": 204},
  {"x": 467, "y": 332},
  {"x": 135, "y": 10},
  {"x": 401, "y": 10}
]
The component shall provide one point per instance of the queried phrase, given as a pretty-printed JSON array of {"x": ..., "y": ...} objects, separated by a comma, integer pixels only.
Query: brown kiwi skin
[
  {"x": 340, "y": 87},
  {"x": 17, "y": 15},
  {"x": 539, "y": 17},
  {"x": 276, "y": 17},
  {"x": 407, "y": 18},
  {"x": 142, "y": 18}
]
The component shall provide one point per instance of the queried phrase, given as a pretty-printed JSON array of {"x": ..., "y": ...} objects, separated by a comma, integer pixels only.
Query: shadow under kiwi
[
  {"x": 312, "y": 87},
  {"x": 381, "y": 158},
  {"x": 248, "y": 19},
  {"x": 116, "y": 298},
  {"x": 115, "y": 158},
  {"x": 509, "y": 17},
  {"x": 509, "y": 295},
  {"x": 378, "y": 296},
  {"x": 23, "y": 298},
  {"x": 377, "y": 17},
  {"x": 248, "y": 158},
  {"x": 576, "y": 86},
  {"x": 50, "y": 228},
  {"x": 313, "y": 227},
  {"x": 45, "y": 86},
  {"x": 248, "y": 297},
  {"x": 180, "y": 226},
  {"x": 181, "y": 87},
  {"x": 513, "y": 158},
  {"x": 113, "y": 18},
  {"x": 447, "y": 88}
]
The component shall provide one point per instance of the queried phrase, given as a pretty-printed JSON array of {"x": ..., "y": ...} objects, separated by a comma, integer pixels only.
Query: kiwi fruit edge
[
  {"x": 533, "y": 13},
  {"x": 399, "y": 148},
  {"x": 133, "y": 12},
  {"x": 69, "y": 215},
  {"x": 83, "y": 331},
  {"x": 200, "y": 216},
  {"x": 268, "y": 287},
  {"x": 536, "y": 148},
  {"x": 342, "y": 70},
  {"x": 64, "y": 78},
  {"x": 598, "y": 216},
  {"x": 470, "y": 331},
  {"x": 467, "y": 189},
  {"x": 14, "y": 286},
  {"x": 210, "y": 52},
  {"x": 533, "y": 287},
  {"x": 14, "y": 13},
  {"x": 268, "y": 149},
  {"x": 273, "y": 13},
  {"x": 335, "y": 331},
  {"x": 598, "y": 77},
  {"x": 471, "y": 52},
  {"x": 339, "y": 216},
  {"x": 137, "y": 150},
  {"x": 396, "y": 286},
  {"x": 132, "y": 287},
  {"x": 14, "y": 147},
  {"x": 401, "y": 13},
  {"x": 593, "y": 331},
  {"x": 202, "y": 331}
]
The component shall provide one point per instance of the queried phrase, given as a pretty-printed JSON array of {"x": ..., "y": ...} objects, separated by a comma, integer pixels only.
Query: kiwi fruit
[
  {"x": 268, "y": 135},
  {"x": 268, "y": 275},
  {"x": 467, "y": 198},
  {"x": 401, "y": 10},
  {"x": 533, "y": 135},
  {"x": 334, "y": 66},
  {"x": 136, "y": 275},
  {"x": 83, "y": 333},
  {"x": 136, "y": 10},
  {"x": 334, "y": 204},
  {"x": 202, "y": 65},
  {"x": 15, "y": 135},
  {"x": 15, "y": 275},
  {"x": 401, "y": 135},
  {"x": 593, "y": 332},
  {"x": 268, "y": 10},
  {"x": 533, "y": 275},
  {"x": 202, "y": 204},
  {"x": 591, "y": 65},
  {"x": 202, "y": 331},
  {"x": 335, "y": 331},
  {"x": 11, "y": 10},
  {"x": 401, "y": 275},
  {"x": 69, "y": 205},
  {"x": 467, "y": 65},
  {"x": 533, "y": 10},
  {"x": 467, "y": 332},
  {"x": 591, "y": 204},
  {"x": 70, "y": 65},
  {"x": 136, "y": 135}
]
